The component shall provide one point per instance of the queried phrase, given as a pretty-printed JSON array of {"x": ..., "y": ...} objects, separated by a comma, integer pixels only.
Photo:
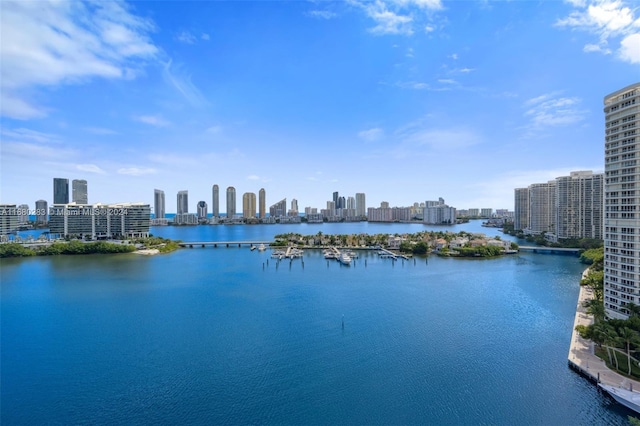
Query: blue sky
[{"x": 404, "y": 100}]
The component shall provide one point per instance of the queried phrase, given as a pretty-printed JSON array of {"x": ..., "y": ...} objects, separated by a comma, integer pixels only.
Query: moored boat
[{"x": 625, "y": 397}]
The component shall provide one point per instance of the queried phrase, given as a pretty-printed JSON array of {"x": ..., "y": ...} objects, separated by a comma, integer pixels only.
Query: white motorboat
[
  {"x": 262, "y": 247},
  {"x": 623, "y": 396},
  {"x": 344, "y": 258}
]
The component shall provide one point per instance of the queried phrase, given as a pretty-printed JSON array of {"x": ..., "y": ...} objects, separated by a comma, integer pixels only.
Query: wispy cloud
[
  {"x": 398, "y": 17},
  {"x": 152, "y": 120},
  {"x": 551, "y": 109},
  {"x": 253, "y": 177},
  {"x": 177, "y": 78},
  {"x": 28, "y": 134},
  {"x": 136, "y": 171},
  {"x": 612, "y": 21},
  {"x": 214, "y": 129},
  {"x": 205, "y": 37},
  {"x": 186, "y": 37},
  {"x": 100, "y": 131},
  {"x": 321, "y": 14},
  {"x": 54, "y": 43},
  {"x": 371, "y": 135},
  {"x": 91, "y": 168}
]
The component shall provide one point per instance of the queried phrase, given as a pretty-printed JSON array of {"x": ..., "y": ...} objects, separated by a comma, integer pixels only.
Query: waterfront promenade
[{"x": 581, "y": 352}]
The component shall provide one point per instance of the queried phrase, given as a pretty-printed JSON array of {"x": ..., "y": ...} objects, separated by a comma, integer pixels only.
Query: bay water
[{"x": 232, "y": 336}]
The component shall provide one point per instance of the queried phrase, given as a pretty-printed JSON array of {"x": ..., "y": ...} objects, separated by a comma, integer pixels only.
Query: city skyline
[{"x": 401, "y": 100}]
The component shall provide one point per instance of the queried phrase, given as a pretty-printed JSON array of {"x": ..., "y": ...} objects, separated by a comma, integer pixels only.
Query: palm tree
[
  {"x": 595, "y": 307},
  {"x": 628, "y": 337}
]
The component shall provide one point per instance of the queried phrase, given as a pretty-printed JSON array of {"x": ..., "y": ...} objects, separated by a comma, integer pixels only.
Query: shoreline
[{"x": 581, "y": 355}]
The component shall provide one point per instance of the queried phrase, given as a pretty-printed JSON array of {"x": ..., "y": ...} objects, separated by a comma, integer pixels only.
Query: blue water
[{"x": 230, "y": 336}]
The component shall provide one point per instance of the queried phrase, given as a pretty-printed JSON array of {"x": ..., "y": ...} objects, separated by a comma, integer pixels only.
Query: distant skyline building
[
  {"x": 8, "y": 220},
  {"x": 249, "y": 205},
  {"x": 542, "y": 203},
  {"x": 202, "y": 210},
  {"x": 294, "y": 208},
  {"x": 183, "y": 202},
  {"x": 60, "y": 191},
  {"x": 521, "y": 209},
  {"x": 23, "y": 214},
  {"x": 42, "y": 212},
  {"x": 231, "y": 202},
  {"x": 262, "y": 203},
  {"x": 215, "y": 201},
  {"x": 361, "y": 204},
  {"x": 279, "y": 209},
  {"x": 351, "y": 203},
  {"x": 158, "y": 204},
  {"x": 579, "y": 205},
  {"x": 79, "y": 191},
  {"x": 622, "y": 201},
  {"x": 99, "y": 221}
]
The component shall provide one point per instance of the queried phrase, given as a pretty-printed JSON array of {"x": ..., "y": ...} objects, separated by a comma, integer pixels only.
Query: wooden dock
[{"x": 192, "y": 244}]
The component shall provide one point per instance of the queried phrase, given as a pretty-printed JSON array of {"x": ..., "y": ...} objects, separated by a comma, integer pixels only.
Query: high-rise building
[
  {"x": 8, "y": 219},
  {"x": 579, "y": 202},
  {"x": 351, "y": 203},
  {"x": 262, "y": 202},
  {"x": 521, "y": 208},
  {"x": 202, "y": 210},
  {"x": 231, "y": 202},
  {"x": 294, "y": 208},
  {"x": 183, "y": 202},
  {"x": 79, "y": 191},
  {"x": 158, "y": 204},
  {"x": 60, "y": 191},
  {"x": 361, "y": 204},
  {"x": 23, "y": 214},
  {"x": 336, "y": 195},
  {"x": 384, "y": 204},
  {"x": 279, "y": 209},
  {"x": 341, "y": 203},
  {"x": 248, "y": 205},
  {"x": 42, "y": 212},
  {"x": 215, "y": 201},
  {"x": 100, "y": 221},
  {"x": 622, "y": 201},
  {"x": 542, "y": 204}
]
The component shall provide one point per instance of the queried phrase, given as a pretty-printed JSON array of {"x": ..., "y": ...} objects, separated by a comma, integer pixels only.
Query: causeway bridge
[
  {"x": 192, "y": 244},
  {"x": 551, "y": 250}
]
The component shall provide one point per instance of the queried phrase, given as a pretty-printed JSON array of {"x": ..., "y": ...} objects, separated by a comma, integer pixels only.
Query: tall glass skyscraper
[
  {"x": 231, "y": 202},
  {"x": 60, "y": 191},
  {"x": 183, "y": 202},
  {"x": 158, "y": 204},
  {"x": 262, "y": 202},
  {"x": 215, "y": 201},
  {"x": 79, "y": 191}
]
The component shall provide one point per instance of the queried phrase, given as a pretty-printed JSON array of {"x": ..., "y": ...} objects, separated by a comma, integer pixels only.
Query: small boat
[
  {"x": 625, "y": 397},
  {"x": 328, "y": 254},
  {"x": 262, "y": 247},
  {"x": 344, "y": 258}
]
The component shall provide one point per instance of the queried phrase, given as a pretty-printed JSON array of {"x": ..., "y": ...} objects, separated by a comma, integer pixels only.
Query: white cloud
[
  {"x": 100, "y": 131},
  {"x": 91, "y": 168},
  {"x": 454, "y": 56},
  {"x": 553, "y": 110},
  {"x": 136, "y": 171},
  {"x": 55, "y": 43},
  {"x": 612, "y": 22},
  {"x": 371, "y": 135},
  {"x": 398, "y": 16},
  {"x": 253, "y": 177},
  {"x": 152, "y": 120},
  {"x": 205, "y": 37},
  {"x": 28, "y": 134},
  {"x": 630, "y": 49},
  {"x": 186, "y": 37},
  {"x": 322, "y": 14},
  {"x": 33, "y": 152},
  {"x": 175, "y": 76}
]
